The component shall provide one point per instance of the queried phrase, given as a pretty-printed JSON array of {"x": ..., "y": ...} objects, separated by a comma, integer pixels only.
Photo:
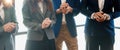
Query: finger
[
  {"x": 100, "y": 20},
  {"x": 58, "y": 10},
  {"x": 5, "y": 27},
  {"x": 99, "y": 15},
  {"x": 13, "y": 23},
  {"x": 44, "y": 21},
  {"x": 43, "y": 26},
  {"x": 50, "y": 21},
  {"x": 96, "y": 17},
  {"x": 46, "y": 25},
  {"x": 47, "y": 18},
  {"x": 9, "y": 29},
  {"x": 13, "y": 26},
  {"x": 64, "y": 11},
  {"x": 107, "y": 17},
  {"x": 103, "y": 18}
]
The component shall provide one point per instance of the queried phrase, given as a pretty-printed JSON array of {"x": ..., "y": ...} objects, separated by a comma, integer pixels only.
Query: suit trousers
[
  {"x": 45, "y": 44},
  {"x": 99, "y": 43},
  {"x": 64, "y": 35}
]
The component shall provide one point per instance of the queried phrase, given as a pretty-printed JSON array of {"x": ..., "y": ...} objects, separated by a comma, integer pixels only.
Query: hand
[
  {"x": 46, "y": 23},
  {"x": 63, "y": 7},
  {"x": 107, "y": 16},
  {"x": 58, "y": 11},
  {"x": 9, "y": 27},
  {"x": 69, "y": 9},
  {"x": 99, "y": 16}
]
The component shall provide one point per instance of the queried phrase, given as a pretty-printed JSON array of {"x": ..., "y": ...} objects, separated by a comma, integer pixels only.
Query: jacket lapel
[
  {"x": 1, "y": 20},
  {"x": 41, "y": 15},
  {"x": 6, "y": 15},
  {"x": 44, "y": 8}
]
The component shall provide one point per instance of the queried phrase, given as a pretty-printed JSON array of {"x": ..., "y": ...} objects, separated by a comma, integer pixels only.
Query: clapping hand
[
  {"x": 46, "y": 23},
  {"x": 69, "y": 9},
  {"x": 64, "y": 8},
  {"x": 9, "y": 27}
]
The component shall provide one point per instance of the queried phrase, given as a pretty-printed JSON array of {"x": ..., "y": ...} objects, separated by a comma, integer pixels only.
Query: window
[
  {"x": 117, "y": 22},
  {"x": 18, "y": 8}
]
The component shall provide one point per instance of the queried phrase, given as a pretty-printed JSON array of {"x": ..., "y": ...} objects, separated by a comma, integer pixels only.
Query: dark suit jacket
[
  {"x": 7, "y": 39},
  {"x": 94, "y": 28},
  {"x": 75, "y": 4},
  {"x": 33, "y": 19}
]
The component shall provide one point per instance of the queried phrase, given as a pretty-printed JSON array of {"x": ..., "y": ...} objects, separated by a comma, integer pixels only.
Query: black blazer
[{"x": 94, "y": 28}]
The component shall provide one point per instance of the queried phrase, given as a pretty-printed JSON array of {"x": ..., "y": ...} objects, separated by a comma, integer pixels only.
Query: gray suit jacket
[
  {"x": 33, "y": 18},
  {"x": 7, "y": 39}
]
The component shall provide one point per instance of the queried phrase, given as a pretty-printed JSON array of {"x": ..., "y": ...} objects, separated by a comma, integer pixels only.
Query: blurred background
[{"x": 80, "y": 21}]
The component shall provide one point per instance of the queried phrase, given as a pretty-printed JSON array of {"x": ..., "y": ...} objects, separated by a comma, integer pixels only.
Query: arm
[
  {"x": 56, "y": 4},
  {"x": 13, "y": 19},
  {"x": 53, "y": 19},
  {"x": 116, "y": 12},
  {"x": 50, "y": 20},
  {"x": 84, "y": 10},
  {"x": 1, "y": 30},
  {"x": 76, "y": 6}
]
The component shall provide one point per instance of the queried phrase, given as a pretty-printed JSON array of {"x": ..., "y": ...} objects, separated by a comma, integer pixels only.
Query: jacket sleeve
[
  {"x": 1, "y": 30},
  {"x": 76, "y": 7},
  {"x": 13, "y": 19},
  {"x": 53, "y": 18},
  {"x": 116, "y": 12},
  {"x": 51, "y": 15},
  {"x": 56, "y": 4},
  {"x": 84, "y": 10}
]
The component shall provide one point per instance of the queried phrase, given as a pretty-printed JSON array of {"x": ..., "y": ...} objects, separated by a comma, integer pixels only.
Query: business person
[
  {"x": 8, "y": 25},
  {"x": 99, "y": 27},
  {"x": 39, "y": 18},
  {"x": 65, "y": 28}
]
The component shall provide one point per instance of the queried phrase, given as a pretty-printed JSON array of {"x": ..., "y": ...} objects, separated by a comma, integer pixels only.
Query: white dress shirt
[
  {"x": 62, "y": 1},
  {"x": 63, "y": 19},
  {"x": 40, "y": 4},
  {"x": 2, "y": 11},
  {"x": 101, "y": 4}
]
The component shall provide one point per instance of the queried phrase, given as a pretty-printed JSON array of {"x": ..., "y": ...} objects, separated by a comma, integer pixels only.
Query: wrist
[{"x": 92, "y": 16}]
